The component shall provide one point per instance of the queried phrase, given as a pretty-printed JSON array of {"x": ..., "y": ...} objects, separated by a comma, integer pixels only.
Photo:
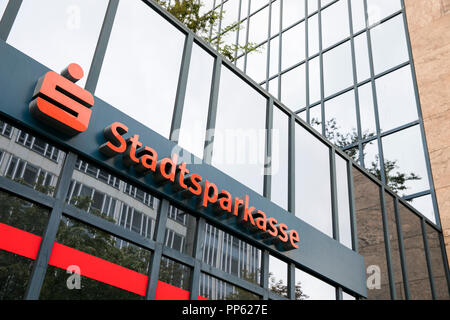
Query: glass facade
[{"x": 117, "y": 222}]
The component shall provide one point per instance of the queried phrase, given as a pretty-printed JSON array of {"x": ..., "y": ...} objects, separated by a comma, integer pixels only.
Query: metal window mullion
[
  {"x": 269, "y": 31},
  {"x": 428, "y": 259},
  {"x": 291, "y": 165},
  {"x": 102, "y": 44},
  {"x": 212, "y": 111},
  {"x": 307, "y": 98},
  {"x": 375, "y": 99},
  {"x": 352, "y": 207},
  {"x": 322, "y": 82},
  {"x": 155, "y": 263},
  {"x": 41, "y": 263},
  {"x": 181, "y": 88},
  {"x": 238, "y": 32},
  {"x": 267, "y": 192},
  {"x": 333, "y": 191},
  {"x": 8, "y": 18},
  {"x": 247, "y": 33},
  {"x": 194, "y": 291},
  {"x": 445, "y": 260},
  {"x": 355, "y": 83},
  {"x": 387, "y": 244},
  {"x": 401, "y": 249}
]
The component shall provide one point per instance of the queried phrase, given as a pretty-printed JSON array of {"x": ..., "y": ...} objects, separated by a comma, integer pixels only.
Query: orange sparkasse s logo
[{"x": 62, "y": 104}]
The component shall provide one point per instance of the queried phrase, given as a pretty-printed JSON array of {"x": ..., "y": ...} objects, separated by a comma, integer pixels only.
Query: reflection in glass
[
  {"x": 215, "y": 289},
  {"x": 196, "y": 102},
  {"x": 337, "y": 66},
  {"x": 239, "y": 144},
  {"x": 396, "y": 99},
  {"x": 308, "y": 287},
  {"x": 174, "y": 273},
  {"x": 389, "y": 37},
  {"x": 362, "y": 57},
  {"x": 312, "y": 181},
  {"x": 369, "y": 226},
  {"x": 67, "y": 33},
  {"x": 345, "y": 231},
  {"x": 256, "y": 64},
  {"x": 137, "y": 79},
  {"x": 278, "y": 276},
  {"x": 416, "y": 265},
  {"x": 280, "y": 153},
  {"x": 104, "y": 195},
  {"x": 335, "y": 24},
  {"x": 358, "y": 15},
  {"x": 405, "y": 166},
  {"x": 394, "y": 243},
  {"x": 293, "y": 88},
  {"x": 424, "y": 205},
  {"x": 180, "y": 231},
  {"x": 315, "y": 115},
  {"x": 230, "y": 254},
  {"x": 437, "y": 264},
  {"x": 314, "y": 80},
  {"x": 258, "y": 30},
  {"x": 366, "y": 111},
  {"x": 293, "y": 11},
  {"x": 293, "y": 46},
  {"x": 380, "y": 9},
  {"x": 95, "y": 243},
  {"x": 340, "y": 120},
  {"x": 313, "y": 35},
  {"x": 15, "y": 270}
]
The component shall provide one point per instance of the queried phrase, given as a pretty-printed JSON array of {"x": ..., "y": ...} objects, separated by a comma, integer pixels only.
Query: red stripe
[{"x": 26, "y": 244}]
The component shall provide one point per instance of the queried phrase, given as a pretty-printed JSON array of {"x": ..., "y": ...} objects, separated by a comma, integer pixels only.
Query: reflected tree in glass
[{"x": 189, "y": 13}]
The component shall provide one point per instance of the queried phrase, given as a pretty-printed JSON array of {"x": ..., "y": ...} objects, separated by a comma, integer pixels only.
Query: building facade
[{"x": 307, "y": 154}]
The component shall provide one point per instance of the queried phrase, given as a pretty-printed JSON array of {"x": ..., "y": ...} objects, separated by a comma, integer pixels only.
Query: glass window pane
[
  {"x": 358, "y": 15},
  {"x": 259, "y": 28},
  {"x": 293, "y": 88},
  {"x": 366, "y": 111},
  {"x": 340, "y": 120},
  {"x": 335, "y": 24},
  {"x": 372, "y": 158},
  {"x": 143, "y": 93},
  {"x": 308, "y": 287},
  {"x": 274, "y": 56},
  {"x": 315, "y": 114},
  {"x": 91, "y": 248},
  {"x": 256, "y": 64},
  {"x": 416, "y": 265},
  {"x": 393, "y": 241},
  {"x": 405, "y": 159},
  {"x": 280, "y": 154},
  {"x": 314, "y": 80},
  {"x": 312, "y": 181},
  {"x": 3, "y": 5},
  {"x": 273, "y": 88},
  {"x": 396, "y": 99},
  {"x": 424, "y": 205},
  {"x": 389, "y": 37},
  {"x": 293, "y": 46},
  {"x": 174, "y": 273},
  {"x": 362, "y": 57},
  {"x": 437, "y": 264},
  {"x": 278, "y": 276},
  {"x": 337, "y": 68},
  {"x": 293, "y": 11},
  {"x": 216, "y": 289},
  {"x": 345, "y": 230},
  {"x": 312, "y": 6},
  {"x": 30, "y": 160},
  {"x": 180, "y": 231},
  {"x": 275, "y": 22},
  {"x": 20, "y": 217},
  {"x": 69, "y": 31},
  {"x": 112, "y": 199},
  {"x": 239, "y": 145},
  {"x": 371, "y": 244},
  {"x": 231, "y": 255},
  {"x": 380, "y": 9},
  {"x": 196, "y": 102},
  {"x": 313, "y": 35}
]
